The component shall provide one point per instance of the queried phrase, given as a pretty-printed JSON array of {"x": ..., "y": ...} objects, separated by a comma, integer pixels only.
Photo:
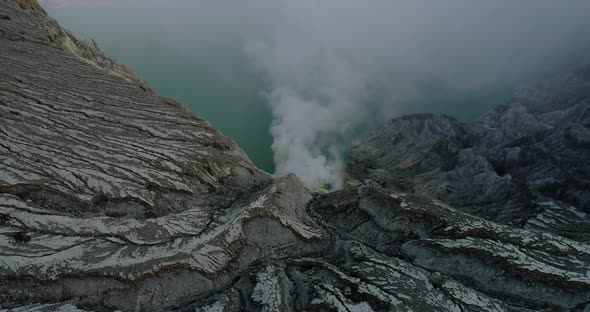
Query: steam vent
[{"x": 114, "y": 198}]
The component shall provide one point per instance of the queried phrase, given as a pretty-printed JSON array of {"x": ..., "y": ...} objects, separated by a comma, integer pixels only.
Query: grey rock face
[
  {"x": 25, "y": 20},
  {"x": 126, "y": 263},
  {"x": 462, "y": 260},
  {"x": 534, "y": 146},
  {"x": 113, "y": 198},
  {"x": 392, "y": 251},
  {"x": 79, "y": 139},
  {"x": 426, "y": 154},
  {"x": 109, "y": 192},
  {"x": 540, "y": 138}
]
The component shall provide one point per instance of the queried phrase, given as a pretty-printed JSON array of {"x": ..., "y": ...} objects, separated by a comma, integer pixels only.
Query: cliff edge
[{"x": 114, "y": 198}]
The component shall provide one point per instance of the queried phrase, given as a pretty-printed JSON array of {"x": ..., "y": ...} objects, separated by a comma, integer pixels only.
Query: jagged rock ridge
[
  {"x": 113, "y": 198},
  {"x": 526, "y": 152}
]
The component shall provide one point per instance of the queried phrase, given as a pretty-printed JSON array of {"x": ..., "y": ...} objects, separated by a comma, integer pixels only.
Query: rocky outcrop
[
  {"x": 500, "y": 167},
  {"x": 392, "y": 251},
  {"x": 540, "y": 137},
  {"x": 452, "y": 260},
  {"x": 113, "y": 198},
  {"x": 104, "y": 185},
  {"x": 25, "y": 20},
  {"x": 78, "y": 139},
  {"x": 429, "y": 155},
  {"x": 130, "y": 264}
]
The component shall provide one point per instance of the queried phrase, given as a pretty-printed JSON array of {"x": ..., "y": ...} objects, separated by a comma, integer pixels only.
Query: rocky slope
[
  {"x": 113, "y": 198},
  {"x": 532, "y": 150}
]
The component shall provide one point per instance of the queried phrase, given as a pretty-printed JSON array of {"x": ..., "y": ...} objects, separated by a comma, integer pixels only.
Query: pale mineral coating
[
  {"x": 113, "y": 198},
  {"x": 75, "y": 128},
  {"x": 519, "y": 267}
]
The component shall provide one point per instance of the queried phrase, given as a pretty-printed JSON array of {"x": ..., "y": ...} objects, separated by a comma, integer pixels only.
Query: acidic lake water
[{"x": 212, "y": 78}]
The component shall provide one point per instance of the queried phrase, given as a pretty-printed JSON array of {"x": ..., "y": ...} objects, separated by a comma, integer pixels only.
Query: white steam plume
[
  {"x": 316, "y": 98},
  {"x": 325, "y": 61}
]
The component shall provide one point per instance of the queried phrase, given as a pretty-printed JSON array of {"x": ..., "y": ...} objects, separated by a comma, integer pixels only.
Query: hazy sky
[{"x": 332, "y": 66}]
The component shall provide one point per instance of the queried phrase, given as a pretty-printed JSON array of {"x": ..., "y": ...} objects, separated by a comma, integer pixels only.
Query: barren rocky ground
[{"x": 113, "y": 198}]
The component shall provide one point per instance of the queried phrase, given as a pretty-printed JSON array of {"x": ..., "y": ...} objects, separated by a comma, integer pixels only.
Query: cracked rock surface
[
  {"x": 532, "y": 149},
  {"x": 113, "y": 198}
]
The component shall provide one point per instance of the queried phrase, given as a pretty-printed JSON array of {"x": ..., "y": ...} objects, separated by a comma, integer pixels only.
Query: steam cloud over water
[
  {"x": 334, "y": 66},
  {"x": 317, "y": 94},
  {"x": 333, "y": 63}
]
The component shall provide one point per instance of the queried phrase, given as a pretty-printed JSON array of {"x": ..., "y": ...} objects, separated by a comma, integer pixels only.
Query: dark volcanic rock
[
  {"x": 130, "y": 264},
  {"x": 540, "y": 137},
  {"x": 421, "y": 143},
  {"x": 393, "y": 251},
  {"x": 464, "y": 259},
  {"x": 109, "y": 193},
  {"x": 425, "y": 154},
  {"x": 534, "y": 146},
  {"x": 113, "y": 198},
  {"x": 80, "y": 138}
]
